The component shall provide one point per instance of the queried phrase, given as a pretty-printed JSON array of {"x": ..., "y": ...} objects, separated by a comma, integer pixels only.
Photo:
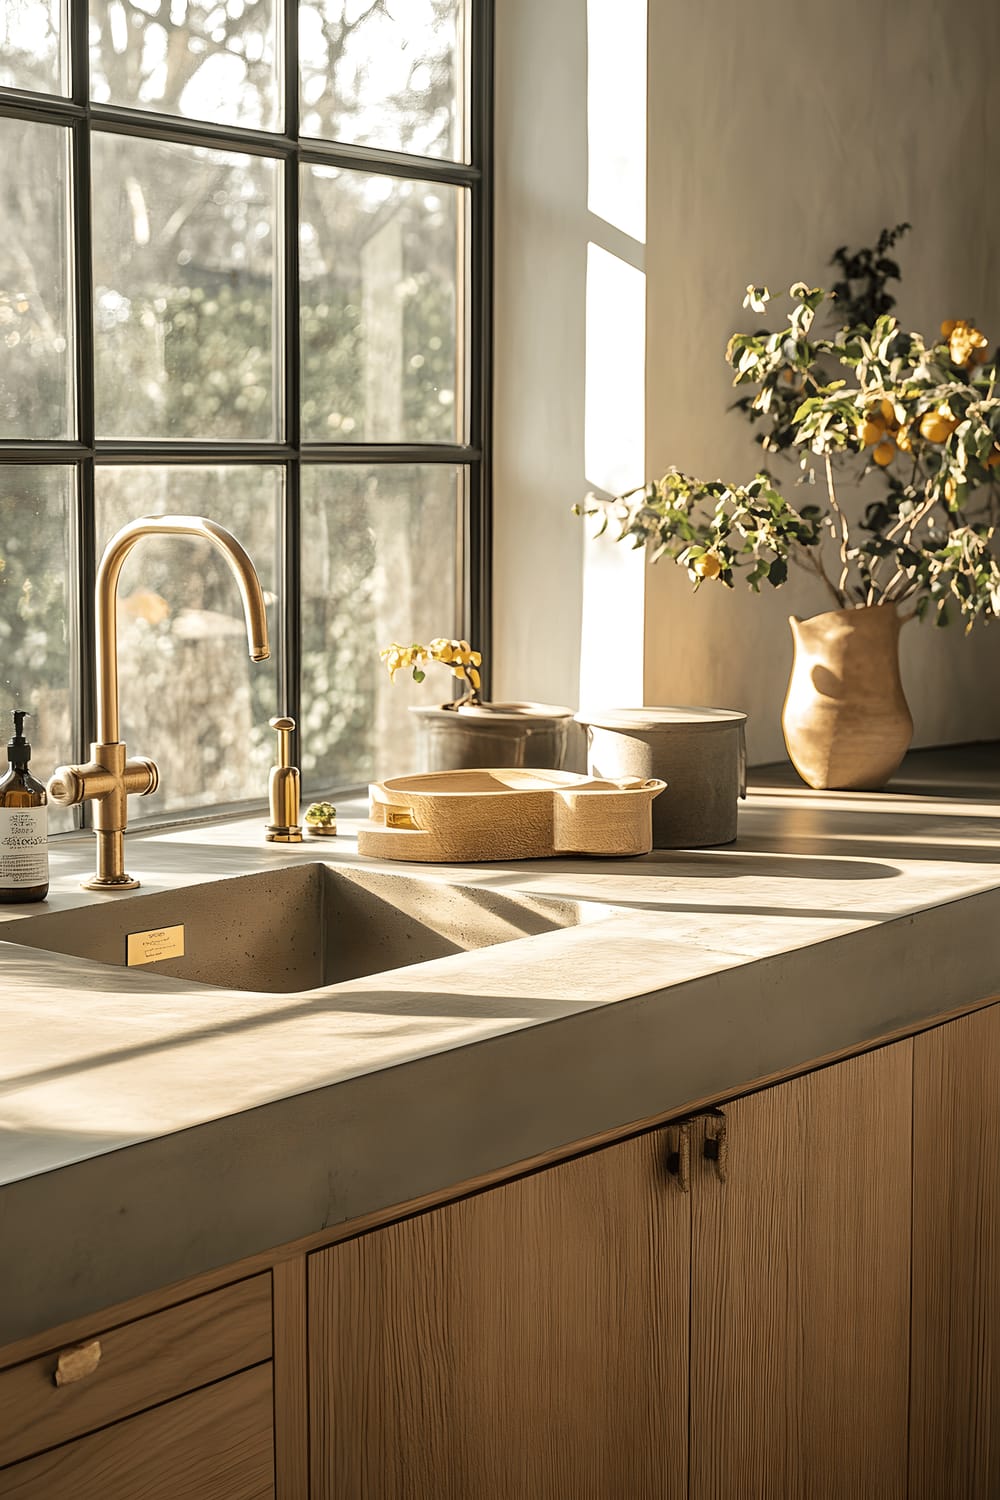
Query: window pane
[
  {"x": 203, "y": 59},
  {"x": 183, "y": 291},
  {"x": 35, "y": 649},
  {"x": 380, "y": 266},
  {"x": 36, "y": 368},
  {"x": 33, "y": 50},
  {"x": 379, "y": 548},
  {"x": 391, "y": 77},
  {"x": 190, "y": 696}
]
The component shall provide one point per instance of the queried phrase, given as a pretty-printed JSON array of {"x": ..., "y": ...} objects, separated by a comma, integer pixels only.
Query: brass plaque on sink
[{"x": 149, "y": 947}]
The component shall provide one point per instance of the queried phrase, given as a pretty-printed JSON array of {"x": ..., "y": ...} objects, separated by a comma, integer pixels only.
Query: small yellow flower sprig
[{"x": 458, "y": 655}]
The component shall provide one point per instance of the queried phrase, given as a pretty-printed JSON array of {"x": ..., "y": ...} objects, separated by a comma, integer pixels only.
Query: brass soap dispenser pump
[{"x": 283, "y": 790}]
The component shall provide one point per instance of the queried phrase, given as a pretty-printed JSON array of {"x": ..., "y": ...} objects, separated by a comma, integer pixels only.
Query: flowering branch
[
  {"x": 935, "y": 404},
  {"x": 458, "y": 656}
]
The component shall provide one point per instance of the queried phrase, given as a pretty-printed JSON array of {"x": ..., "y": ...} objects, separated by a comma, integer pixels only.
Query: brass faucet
[{"x": 110, "y": 777}]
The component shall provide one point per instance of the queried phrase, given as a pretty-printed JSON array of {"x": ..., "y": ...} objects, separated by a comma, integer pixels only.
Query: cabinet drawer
[
  {"x": 139, "y": 1364},
  {"x": 215, "y": 1444}
]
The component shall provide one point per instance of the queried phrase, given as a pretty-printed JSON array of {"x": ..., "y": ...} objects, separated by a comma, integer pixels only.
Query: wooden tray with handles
[{"x": 458, "y": 817}]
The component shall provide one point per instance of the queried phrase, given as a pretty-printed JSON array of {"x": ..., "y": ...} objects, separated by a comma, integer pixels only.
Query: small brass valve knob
[
  {"x": 66, "y": 786},
  {"x": 283, "y": 790}
]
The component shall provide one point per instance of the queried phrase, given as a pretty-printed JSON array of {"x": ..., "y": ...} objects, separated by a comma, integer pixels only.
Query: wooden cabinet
[
  {"x": 534, "y": 1340},
  {"x": 955, "y": 1425},
  {"x": 134, "y": 1365},
  {"x": 642, "y": 1322},
  {"x": 800, "y": 1289},
  {"x": 215, "y": 1444},
  {"x": 144, "y": 1407},
  {"x": 528, "y": 1341}
]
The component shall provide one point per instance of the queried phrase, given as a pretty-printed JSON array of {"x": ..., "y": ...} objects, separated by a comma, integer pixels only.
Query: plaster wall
[
  {"x": 540, "y": 334},
  {"x": 569, "y": 350},
  {"x": 775, "y": 133}
]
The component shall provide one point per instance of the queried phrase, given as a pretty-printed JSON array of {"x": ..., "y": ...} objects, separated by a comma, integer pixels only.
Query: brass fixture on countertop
[
  {"x": 283, "y": 790},
  {"x": 110, "y": 777}
]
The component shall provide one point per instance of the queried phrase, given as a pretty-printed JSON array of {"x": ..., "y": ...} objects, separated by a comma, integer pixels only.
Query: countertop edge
[{"x": 89, "y": 1235}]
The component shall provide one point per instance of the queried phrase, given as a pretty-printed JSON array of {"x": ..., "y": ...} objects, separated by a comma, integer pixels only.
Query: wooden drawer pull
[{"x": 77, "y": 1363}]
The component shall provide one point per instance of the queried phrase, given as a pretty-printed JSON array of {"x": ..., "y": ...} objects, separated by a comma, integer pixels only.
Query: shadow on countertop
[{"x": 966, "y": 773}]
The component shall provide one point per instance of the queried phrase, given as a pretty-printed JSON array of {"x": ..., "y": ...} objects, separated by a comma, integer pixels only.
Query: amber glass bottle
[{"x": 24, "y": 853}]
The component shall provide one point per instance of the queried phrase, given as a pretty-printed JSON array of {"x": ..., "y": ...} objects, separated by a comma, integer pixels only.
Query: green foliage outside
[{"x": 188, "y": 347}]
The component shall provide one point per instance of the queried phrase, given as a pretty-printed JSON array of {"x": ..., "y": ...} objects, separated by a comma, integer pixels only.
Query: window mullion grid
[
  {"x": 177, "y": 130},
  {"x": 478, "y": 529},
  {"x": 290, "y": 677},
  {"x": 83, "y": 118},
  {"x": 115, "y": 451},
  {"x": 45, "y": 108},
  {"x": 83, "y": 562}
]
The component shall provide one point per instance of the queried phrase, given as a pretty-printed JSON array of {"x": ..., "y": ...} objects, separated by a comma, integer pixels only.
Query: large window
[{"x": 243, "y": 274}]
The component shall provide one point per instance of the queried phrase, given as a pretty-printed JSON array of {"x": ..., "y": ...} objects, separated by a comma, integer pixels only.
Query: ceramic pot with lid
[
  {"x": 475, "y": 735},
  {"x": 699, "y": 752}
]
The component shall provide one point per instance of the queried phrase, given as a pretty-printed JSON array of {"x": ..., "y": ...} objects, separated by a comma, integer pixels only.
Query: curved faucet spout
[
  {"x": 110, "y": 777},
  {"x": 108, "y": 573}
]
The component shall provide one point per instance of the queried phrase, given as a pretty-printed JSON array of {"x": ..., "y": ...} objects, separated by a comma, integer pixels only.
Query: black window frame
[{"x": 85, "y": 453}]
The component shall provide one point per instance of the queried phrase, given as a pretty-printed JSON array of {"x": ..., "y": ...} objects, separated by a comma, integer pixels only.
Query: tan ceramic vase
[{"x": 845, "y": 719}]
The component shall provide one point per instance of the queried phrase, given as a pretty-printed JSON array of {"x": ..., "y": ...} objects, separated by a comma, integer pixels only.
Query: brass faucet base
[
  {"x": 121, "y": 882},
  {"x": 289, "y": 835}
]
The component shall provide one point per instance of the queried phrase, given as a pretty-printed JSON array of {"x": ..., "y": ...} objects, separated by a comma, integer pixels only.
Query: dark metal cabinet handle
[
  {"x": 679, "y": 1155},
  {"x": 716, "y": 1147}
]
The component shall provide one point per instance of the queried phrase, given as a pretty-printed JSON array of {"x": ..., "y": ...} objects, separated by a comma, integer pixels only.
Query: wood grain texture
[
  {"x": 800, "y": 1290},
  {"x": 215, "y": 1444},
  {"x": 142, "y": 1363},
  {"x": 527, "y": 1342},
  {"x": 955, "y": 1381},
  {"x": 86, "y": 1327},
  {"x": 291, "y": 1405},
  {"x": 507, "y": 813}
]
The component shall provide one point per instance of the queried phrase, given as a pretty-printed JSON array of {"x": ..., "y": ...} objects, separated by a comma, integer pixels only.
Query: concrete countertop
[{"x": 152, "y": 1129}]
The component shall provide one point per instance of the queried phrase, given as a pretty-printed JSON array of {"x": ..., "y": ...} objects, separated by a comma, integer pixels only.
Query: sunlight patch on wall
[
  {"x": 613, "y": 604},
  {"x": 616, "y": 113},
  {"x": 614, "y": 415},
  {"x": 614, "y": 440}
]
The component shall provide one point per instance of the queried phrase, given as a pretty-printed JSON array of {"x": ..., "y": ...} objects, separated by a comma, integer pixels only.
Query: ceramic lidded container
[
  {"x": 477, "y": 735},
  {"x": 699, "y": 752}
]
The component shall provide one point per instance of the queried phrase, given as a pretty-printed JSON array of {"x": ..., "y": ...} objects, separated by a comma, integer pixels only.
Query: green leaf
[{"x": 757, "y": 298}]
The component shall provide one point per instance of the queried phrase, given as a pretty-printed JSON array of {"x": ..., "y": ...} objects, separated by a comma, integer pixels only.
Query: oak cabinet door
[
  {"x": 955, "y": 1428},
  {"x": 800, "y": 1290},
  {"x": 529, "y": 1341}
]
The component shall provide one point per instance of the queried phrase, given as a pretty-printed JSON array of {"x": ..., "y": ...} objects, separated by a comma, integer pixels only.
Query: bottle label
[{"x": 24, "y": 849}]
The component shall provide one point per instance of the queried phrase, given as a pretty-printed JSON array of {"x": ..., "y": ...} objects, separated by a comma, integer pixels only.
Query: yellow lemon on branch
[
  {"x": 707, "y": 566},
  {"x": 937, "y": 426}
]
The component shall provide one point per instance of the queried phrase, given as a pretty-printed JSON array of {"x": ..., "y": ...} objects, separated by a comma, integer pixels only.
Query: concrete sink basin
[{"x": 302, "y": 927}]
